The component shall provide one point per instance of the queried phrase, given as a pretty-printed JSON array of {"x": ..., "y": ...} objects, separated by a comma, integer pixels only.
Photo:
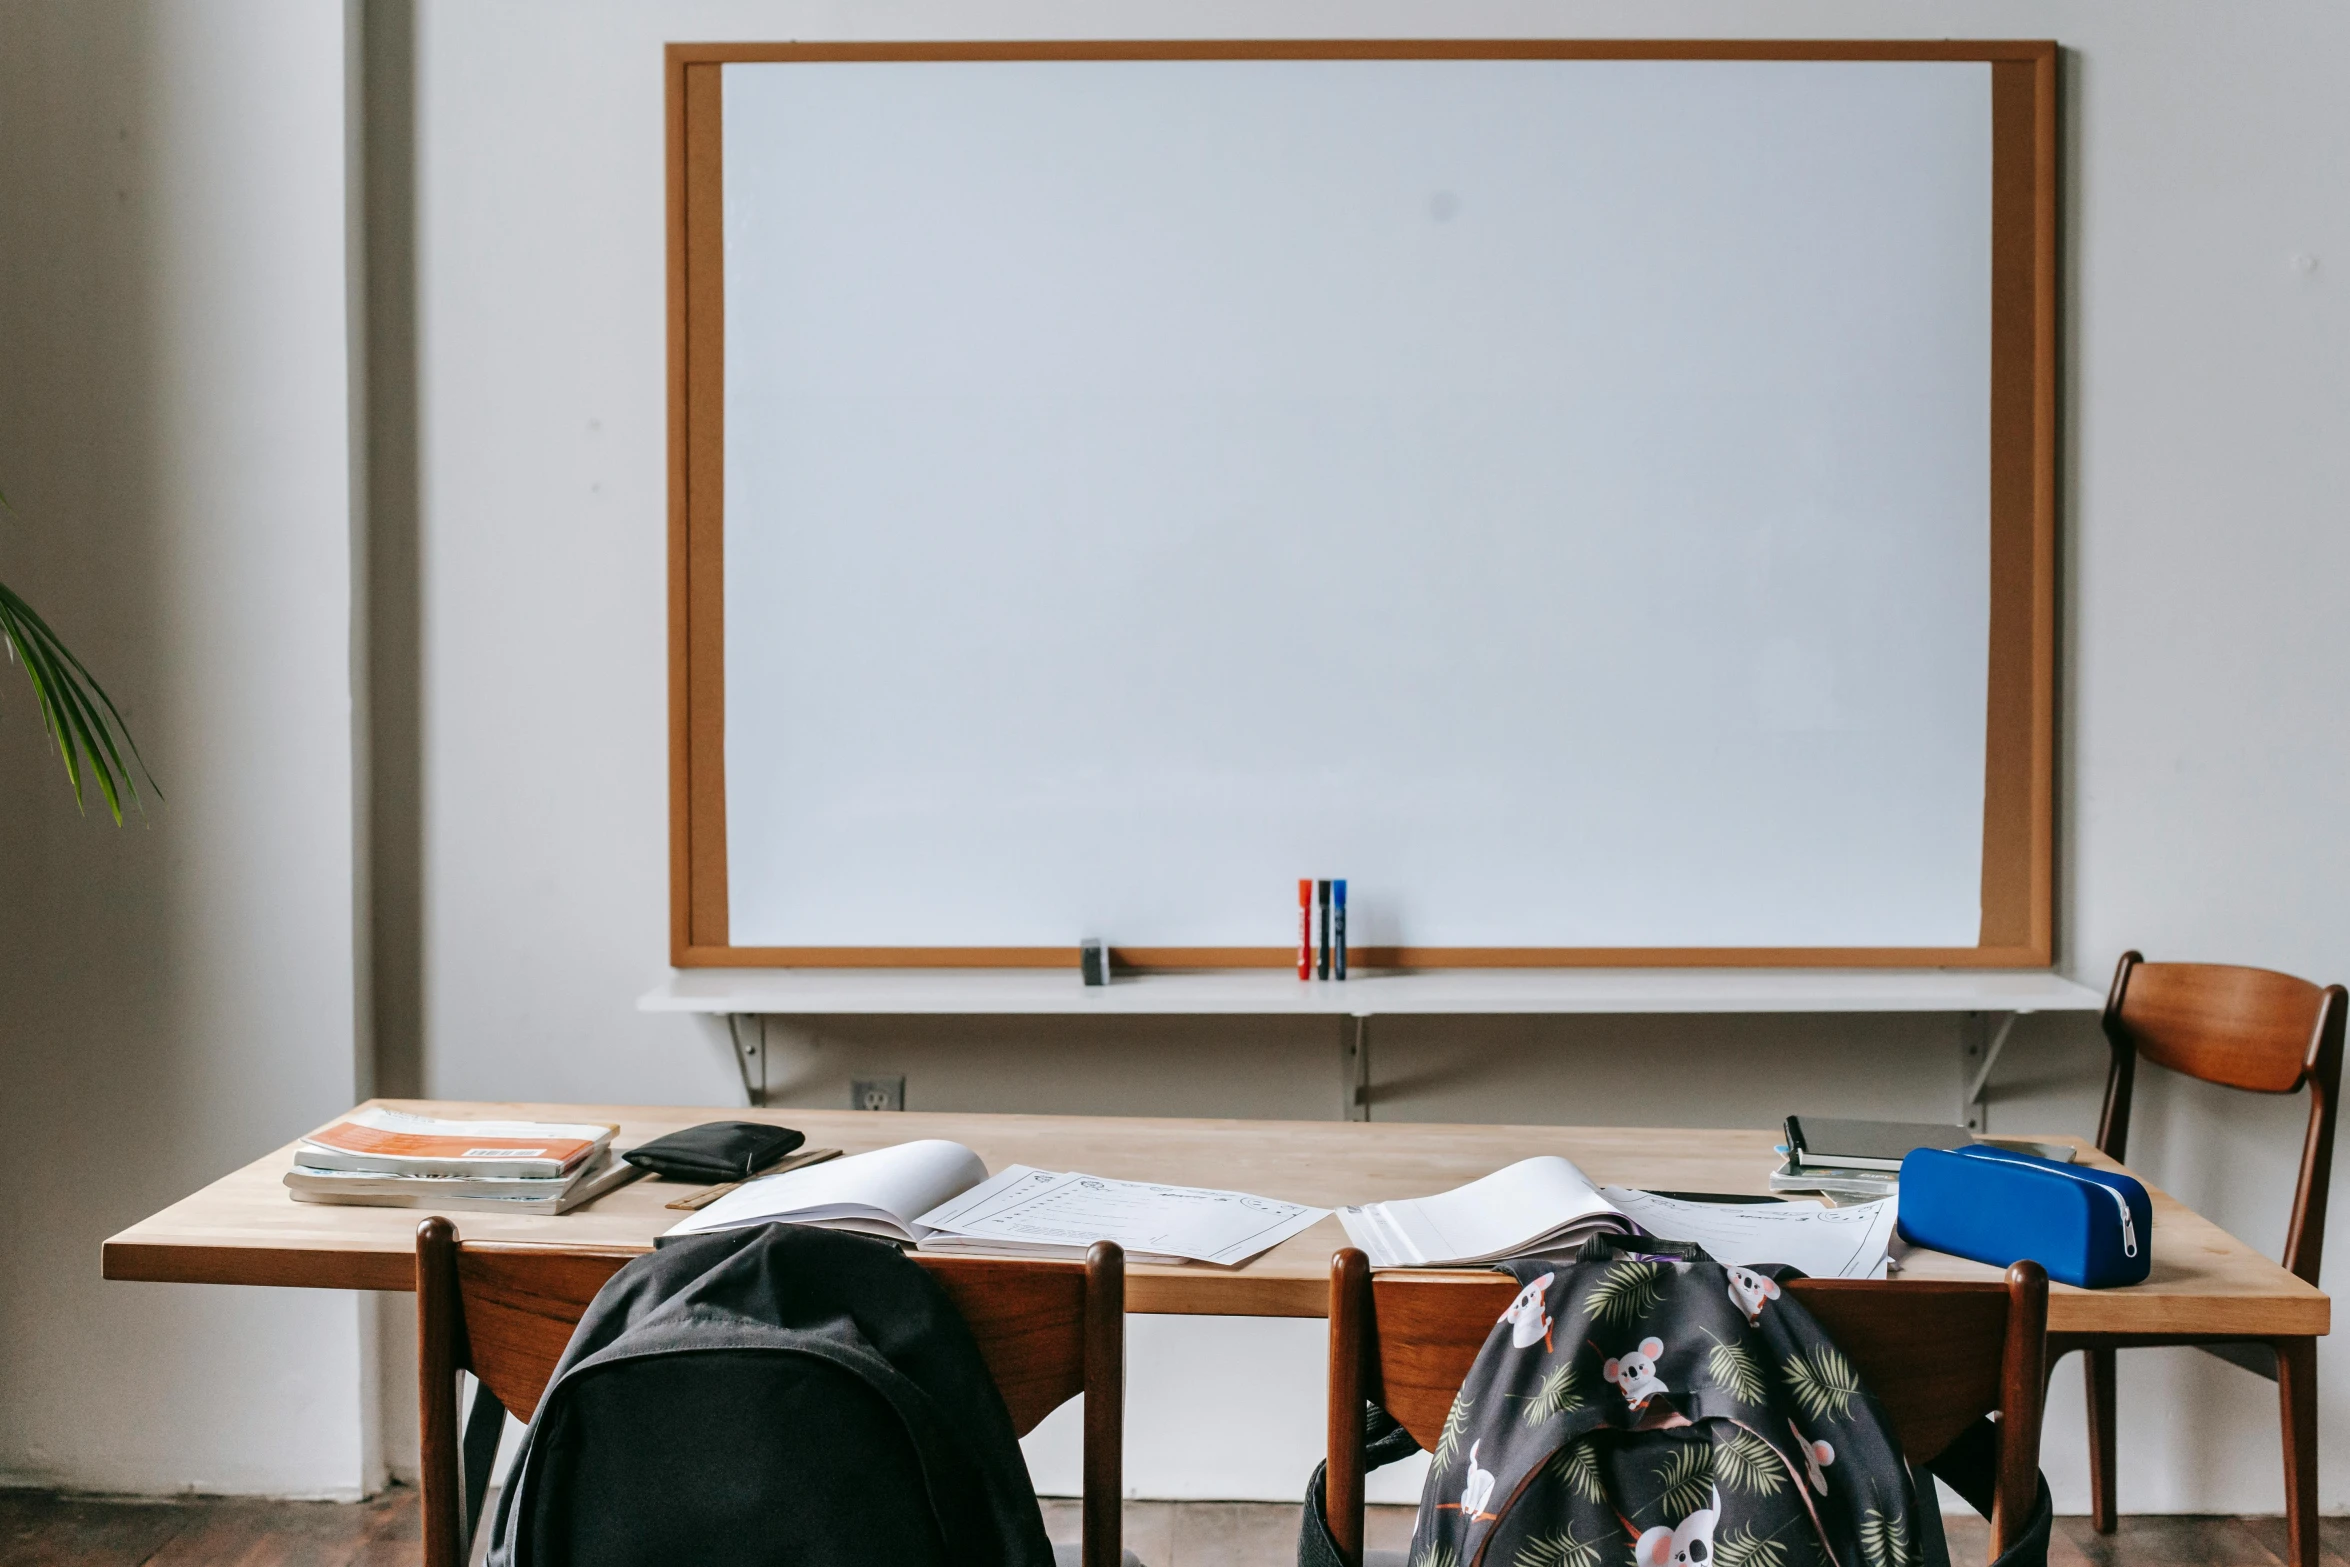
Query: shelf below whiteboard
[{"x": 1267, "y": 992}]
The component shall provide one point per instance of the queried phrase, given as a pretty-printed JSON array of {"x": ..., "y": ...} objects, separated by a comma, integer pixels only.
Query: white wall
[
  {"x": 184, "y": 416},
  {"x": 2204, "y": 458},
  {"x": 176, "y": 997}
]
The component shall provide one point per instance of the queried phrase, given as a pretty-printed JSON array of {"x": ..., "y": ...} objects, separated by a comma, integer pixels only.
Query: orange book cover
[
  {"x": 418, "y": 1145},
  {"x": 377, "y": 1137}
]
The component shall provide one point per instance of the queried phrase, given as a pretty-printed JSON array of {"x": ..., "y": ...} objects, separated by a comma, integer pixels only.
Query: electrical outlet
[{"x": 877, "y": 1093}]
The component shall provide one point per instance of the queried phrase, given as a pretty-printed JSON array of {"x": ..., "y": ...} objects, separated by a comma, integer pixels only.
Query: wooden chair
[
  {"x": 1938, "y": 1355},
  {"x": 2267, "y": 1033},
  {"x": 1047, "y": 1330}
]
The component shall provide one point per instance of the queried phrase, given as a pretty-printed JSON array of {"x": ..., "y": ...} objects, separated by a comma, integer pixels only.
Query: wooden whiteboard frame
[{"x": 2019, "y": 828}]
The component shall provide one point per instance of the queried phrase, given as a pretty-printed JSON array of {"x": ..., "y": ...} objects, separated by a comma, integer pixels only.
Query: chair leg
[
  {"x": 439, "y": 1327},
  {"x": 1101, "y": 1521},
  {"x": 2097, "y": 1371},
  {"x": 2297, "y": 1401},
  {"x": 1350, "y": 1320}
]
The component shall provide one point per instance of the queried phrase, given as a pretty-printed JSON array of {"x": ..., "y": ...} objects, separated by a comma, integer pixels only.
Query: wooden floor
[{"x": 38, "y": 1529}]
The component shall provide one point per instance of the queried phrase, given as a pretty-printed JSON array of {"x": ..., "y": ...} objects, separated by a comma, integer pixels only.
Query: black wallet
[{"x": 716, "y": 1151}]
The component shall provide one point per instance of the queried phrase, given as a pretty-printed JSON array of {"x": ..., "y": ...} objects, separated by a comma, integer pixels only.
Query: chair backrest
[
  {"x": 1938, "y": 1355},
  {"x": 2247, "y": 1028},
  {"x": 1047, "y": 1331}
]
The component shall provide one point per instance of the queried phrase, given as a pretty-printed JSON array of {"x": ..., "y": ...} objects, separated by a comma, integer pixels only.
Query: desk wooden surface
[{"x": 245, "y": 1229}]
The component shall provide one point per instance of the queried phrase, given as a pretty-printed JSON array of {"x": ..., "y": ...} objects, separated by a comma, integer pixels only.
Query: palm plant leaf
[
  {"x": 1745, "y": 1548},
  {"x": 1561, "y": 1393},
  {"x": 1559, "y": 1550},
  {"x": 1437, "y": 1555},
  {"x": 1686, "y": 1479},
  {"x": 1823, "y": 1382},
  {"x": 1883, "y": 1541},
  {"x": 1734, "y": 1371},
  {"x": 80, "y": 718},
  {"x": 1628, "y": 1293},
  {"x": 1745, "y": 1462},
  {"x": 1456, "y": 1424},
  {"x": 1577, "y": 1466}
]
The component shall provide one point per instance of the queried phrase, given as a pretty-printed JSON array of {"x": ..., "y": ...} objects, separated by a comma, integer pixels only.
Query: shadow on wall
[
  {"x": 177, "y": 994},
  {"x": 392, "y": 610},
  {"x": 95, "y": 952}
]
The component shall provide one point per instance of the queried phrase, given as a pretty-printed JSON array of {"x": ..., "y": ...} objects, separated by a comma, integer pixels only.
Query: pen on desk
[
  {"x": 1322, "y": 968},
  {"x": 1305, "y": 927},
  {"x": 1338, "y": 926}
]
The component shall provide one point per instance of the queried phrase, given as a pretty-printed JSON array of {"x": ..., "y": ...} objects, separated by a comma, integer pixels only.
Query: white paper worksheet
[
  {"x": 1054, "y": 1213},
  {"x": 1826, "y": 1243}
]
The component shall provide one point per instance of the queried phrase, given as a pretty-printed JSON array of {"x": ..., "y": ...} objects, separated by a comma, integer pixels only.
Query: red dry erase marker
[{"x": 1305, "y": 928}]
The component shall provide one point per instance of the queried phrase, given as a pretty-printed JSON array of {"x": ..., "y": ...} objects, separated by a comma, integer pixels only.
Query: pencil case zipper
[{"x": 2129, "y": 1224}]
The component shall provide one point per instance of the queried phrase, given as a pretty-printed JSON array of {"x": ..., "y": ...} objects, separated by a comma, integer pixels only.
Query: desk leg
[
  {"x": 1354, "y": 1068},
  {"x": 1984, "y": 1041},
  {"x": 2297, "y": 1407},
  {"x": 749, "y": 1033}
]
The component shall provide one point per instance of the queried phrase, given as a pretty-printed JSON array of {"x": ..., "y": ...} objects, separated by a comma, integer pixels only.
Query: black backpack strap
[
  {"x": 485, "y": 1422},
  {"x": 1970, "y": 1466},
  {"x": 2030, "y": 1547},
  {"x": 1315, "y": 1548},
  {"x": 1385, "y": 1441},
  {"x": 1609, "y": 1247}
]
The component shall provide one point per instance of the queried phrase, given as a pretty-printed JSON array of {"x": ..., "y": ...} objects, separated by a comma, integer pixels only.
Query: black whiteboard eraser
[{"x": 1093, "y": 960}]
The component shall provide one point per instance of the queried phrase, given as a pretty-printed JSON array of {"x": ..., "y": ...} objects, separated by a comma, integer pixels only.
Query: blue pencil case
[{"x": 2092, "y": 1228}]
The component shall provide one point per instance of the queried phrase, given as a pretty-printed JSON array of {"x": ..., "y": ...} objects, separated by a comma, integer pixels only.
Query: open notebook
[
  {"x": 1537, "y": 1205},
  {"x": 938, "y": 1194},
  {"x": 1545, "y": 1206},
  {"x": 883, "y": 1193}
]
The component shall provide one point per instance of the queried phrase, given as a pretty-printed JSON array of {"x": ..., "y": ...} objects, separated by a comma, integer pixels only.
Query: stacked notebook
[
  {"x": 1860, "y": 1160},
  {"x": 389, "y": 1159}
]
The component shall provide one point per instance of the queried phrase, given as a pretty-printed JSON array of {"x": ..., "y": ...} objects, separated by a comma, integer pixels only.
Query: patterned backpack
[{"x": 1646, "y": 1406}]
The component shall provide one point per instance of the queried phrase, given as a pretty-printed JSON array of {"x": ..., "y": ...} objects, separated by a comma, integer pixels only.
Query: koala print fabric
[{"x": 1666, "y": 1412}]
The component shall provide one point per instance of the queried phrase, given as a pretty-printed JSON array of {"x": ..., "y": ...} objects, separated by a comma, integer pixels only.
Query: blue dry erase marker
[{"x": 1338, "y": 927}]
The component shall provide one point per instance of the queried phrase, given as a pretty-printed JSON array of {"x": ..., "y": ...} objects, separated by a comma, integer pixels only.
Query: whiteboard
[{"x": 1552, "y": 494}]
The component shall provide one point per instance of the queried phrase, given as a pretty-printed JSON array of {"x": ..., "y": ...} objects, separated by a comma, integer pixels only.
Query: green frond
[
  {"x": 1823, "y": 1382},
  {"x": 1745, "y": 1548},
  {"x": 1745, "y": 1462},
  {"x": 1437, "y": 1555},
  {"x": 1687, "y": 1478},
  {"x": 1456, "y": 1425},
  {"x": 1733, "y": 1370},
  {"x": 1561, "y": 1393},
  {"x": 1559, "y": 1550},
  {"x": 1883, "y": 1541},
  {"x": 1577, "y": 1467},
  {"x": 79, "y": 717},
  {"x": 1629, "y": 1292}
]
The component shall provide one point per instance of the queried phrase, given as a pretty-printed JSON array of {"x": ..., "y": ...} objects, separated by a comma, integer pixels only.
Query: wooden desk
[{"x": 245, "y": 1229}]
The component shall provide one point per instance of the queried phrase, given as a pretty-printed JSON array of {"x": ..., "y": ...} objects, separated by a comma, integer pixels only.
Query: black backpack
[
  {"x": 764, "y": 1397},
  {"x": 1661, "y": 1410}
]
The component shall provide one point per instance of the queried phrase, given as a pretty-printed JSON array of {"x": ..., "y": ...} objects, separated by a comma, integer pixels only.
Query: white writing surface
[{"x": 1551, "y": 494}]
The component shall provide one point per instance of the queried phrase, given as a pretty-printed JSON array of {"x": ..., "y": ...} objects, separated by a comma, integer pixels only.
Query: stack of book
[
  {"x": 1858, "y": 1161},
  {"x": 389, "y": 1159}
]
